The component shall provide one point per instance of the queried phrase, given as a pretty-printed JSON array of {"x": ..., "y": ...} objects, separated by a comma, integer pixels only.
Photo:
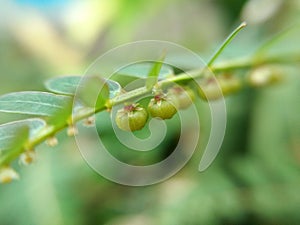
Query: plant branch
[
  {"x": 245, "y": 63},
  {"x": 235, "y": 64}
]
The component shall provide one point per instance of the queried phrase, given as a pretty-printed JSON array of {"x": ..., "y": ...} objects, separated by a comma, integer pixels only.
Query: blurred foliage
[{"x": 254, "y": 180}]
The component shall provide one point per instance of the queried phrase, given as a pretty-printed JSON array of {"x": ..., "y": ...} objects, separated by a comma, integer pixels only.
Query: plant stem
[
  {"x": 183, "y": 77},
  {"x": 240, "y": 63},
  {"x": 225, "y": 43}
]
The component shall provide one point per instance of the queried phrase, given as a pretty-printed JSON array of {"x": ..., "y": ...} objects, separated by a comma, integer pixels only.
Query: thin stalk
[{"x": 225, "y": 43}]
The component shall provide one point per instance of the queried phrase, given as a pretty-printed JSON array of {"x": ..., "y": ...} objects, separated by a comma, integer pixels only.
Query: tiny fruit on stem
[
  {"x": 52, "y": 141},
  {"x": 72, "y": 130},
  {"x": 131, "y": 117},
  {"x": 183, "y": 97},
  {"x": 215, "y": 88},
  {"x": 264, "y": 75},
  {"x": 7, "y": 175},
  {"x": 161, "y": 107},
  {"x": 90, "y": 121},
  {"x": 27, "y": 157}
]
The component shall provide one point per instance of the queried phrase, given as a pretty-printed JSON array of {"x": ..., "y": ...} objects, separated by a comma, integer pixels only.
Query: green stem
[
  {"x": 183, "y": 77},
  {"x": 225, "y": 43},
  {"x": 244, "y": 63}
]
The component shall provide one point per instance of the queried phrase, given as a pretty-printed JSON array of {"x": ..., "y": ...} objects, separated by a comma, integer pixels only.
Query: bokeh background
[{"x": 255, "y": 178}]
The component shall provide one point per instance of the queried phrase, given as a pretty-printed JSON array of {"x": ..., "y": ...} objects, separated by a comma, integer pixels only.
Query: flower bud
[
  {"x": 89, "y": 122},
  {"x": 72, "y": 130},
  {"x": 27, "y": 157},
  {"x": 52, "y": 141},
  {"x": 7, "y": 175}
]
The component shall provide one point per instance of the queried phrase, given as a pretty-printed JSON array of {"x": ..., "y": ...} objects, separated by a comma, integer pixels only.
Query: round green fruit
[
  {"x": 162, "y": 108},
  {"x": 183, "y": 97},
  {"x": 131, "y": 118},
  {"x": 229, "y": 84},
  {"x": 264, "y": 76},
  {"x": 216, "y": 88}
]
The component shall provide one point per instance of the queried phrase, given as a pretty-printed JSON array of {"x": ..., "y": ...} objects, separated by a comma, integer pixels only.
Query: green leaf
[
  {"x": 32, "y": 103},
  {"x": 140, "y": 71},
  {"x": 15, "y": 146},
  {"x": 9, "y": 131},
  {"x": 154, "y": 72},
  {"x": 114, "y": 88},
  {"x": 93, "y": 92},
  {"x": 67, "y": 85},
  {"x": 63, "y": 85},
  {"x": 284, "y": 44},
  {"x": 62, "y": 115}
]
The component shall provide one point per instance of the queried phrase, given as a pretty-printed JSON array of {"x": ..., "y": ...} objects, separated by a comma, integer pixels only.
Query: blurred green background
[{"x": 255, "y": 178}]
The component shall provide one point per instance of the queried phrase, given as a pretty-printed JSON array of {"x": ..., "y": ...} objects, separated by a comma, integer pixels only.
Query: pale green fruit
[
  {"x": 131, "y": 118},
  {"x": 161, "y": 108},
  {"x": 264, "y": 75},
  {"x": 220, "y": 87},
  {"x": 183, "y": 97}
]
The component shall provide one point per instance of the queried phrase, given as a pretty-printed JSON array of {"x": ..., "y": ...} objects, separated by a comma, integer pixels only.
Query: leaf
[
  {"x": 284, "y": 44},
  {"x": 63, "y": 114},
  {"x": 32, "y": 103},
  {"x": 15, "y": 145},
  {"x": 139, "y": 71},
  {"x": 114, "y": 88},
  {"x": 93, "y": 92},
  {"x": 154, "y": 72},
  {"x": 67, "y": 85},
  {"x": 9, "y": 131},
  {"x": 63, "y": 85}
]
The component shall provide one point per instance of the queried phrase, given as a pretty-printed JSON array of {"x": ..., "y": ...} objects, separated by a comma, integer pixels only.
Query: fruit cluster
[{"x": 164, "y": 105}]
